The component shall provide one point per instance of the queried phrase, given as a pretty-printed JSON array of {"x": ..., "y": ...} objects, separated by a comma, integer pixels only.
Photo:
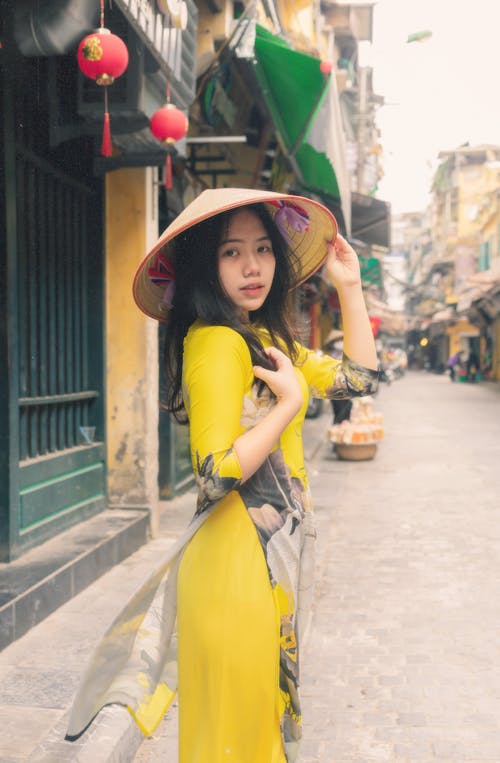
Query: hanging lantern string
[
  {"x": 102, "y": 11},
  {"x": 168, "y": 124},
  {"x": 106, "y": 145}
]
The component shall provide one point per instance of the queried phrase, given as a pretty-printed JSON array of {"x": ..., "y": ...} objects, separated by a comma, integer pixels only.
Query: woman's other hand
[
  {"x": 283, "y": 381},
  {"x": 342, "y": 264}
]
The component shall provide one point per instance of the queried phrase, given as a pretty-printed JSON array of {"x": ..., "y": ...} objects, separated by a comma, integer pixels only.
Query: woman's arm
[
  {"x": 342, "y": 267},
  {"x": 253, "y": 447},
  {"x": 217, "y": 373}
]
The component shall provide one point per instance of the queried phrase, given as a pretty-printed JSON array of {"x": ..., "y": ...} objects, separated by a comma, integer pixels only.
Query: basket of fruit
[
  {"x": 350, "y": 451},
  {"x": 356, "y": 439}
]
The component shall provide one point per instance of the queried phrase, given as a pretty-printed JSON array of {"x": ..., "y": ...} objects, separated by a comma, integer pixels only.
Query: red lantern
[
  {"x": 102, "y": 56},
  {"x": 168, "y": 125}
]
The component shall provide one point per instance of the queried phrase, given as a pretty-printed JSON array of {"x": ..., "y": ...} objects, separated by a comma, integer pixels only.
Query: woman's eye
[
  {"x": 264, "y": 248},
  {"x": 230, "y": 253}
]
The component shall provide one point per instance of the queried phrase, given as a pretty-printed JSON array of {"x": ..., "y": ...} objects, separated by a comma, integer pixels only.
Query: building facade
[
  {"x": 273, "y": 92},
  {"x": 453, "y": 299}
]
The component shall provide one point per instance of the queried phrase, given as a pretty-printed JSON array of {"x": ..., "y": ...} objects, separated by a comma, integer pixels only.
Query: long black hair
[{"x": 199, "y": 294}]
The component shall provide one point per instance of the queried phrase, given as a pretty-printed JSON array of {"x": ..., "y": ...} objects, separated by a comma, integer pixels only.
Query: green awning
[
  {"x": 299, "y": 98},
  {"x": 371, "y": 273}
]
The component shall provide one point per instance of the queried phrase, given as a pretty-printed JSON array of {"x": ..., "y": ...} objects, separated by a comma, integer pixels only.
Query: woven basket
[{"x": 355, "y": 451}]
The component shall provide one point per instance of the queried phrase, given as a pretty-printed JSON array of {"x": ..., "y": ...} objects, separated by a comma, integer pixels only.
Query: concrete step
[{"x": 43, "y": 579}]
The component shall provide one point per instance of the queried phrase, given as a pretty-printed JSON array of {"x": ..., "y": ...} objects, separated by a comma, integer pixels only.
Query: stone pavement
[{"x": 402, "y": 663}]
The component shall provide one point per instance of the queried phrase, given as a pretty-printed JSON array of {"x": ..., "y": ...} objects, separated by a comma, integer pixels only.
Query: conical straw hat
[{"x": 308, "y": 225}]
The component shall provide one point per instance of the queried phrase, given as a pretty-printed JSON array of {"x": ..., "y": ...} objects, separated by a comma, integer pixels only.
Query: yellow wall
[
  {"x": 216, "y": 26},
  {"x": 489, "y": 232},
  {"x": 477, "y": 184},
  {"x": 471, "y": 191},
  {"x": 297, "y": 17},
  {"x": 131, "y": 343},
  {"x": 457, "y": 331}
]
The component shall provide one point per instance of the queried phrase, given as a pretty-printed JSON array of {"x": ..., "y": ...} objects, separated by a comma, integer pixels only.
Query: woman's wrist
[
  {"x": 350, "y": 290},
  {"x": 290, "y": 404}
]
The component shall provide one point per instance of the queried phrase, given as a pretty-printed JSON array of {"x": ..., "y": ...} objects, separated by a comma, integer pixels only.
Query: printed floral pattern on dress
[
  {"x": 256, "y": 406},
  {"x": 351, "y": 380},
  {"x": 211, "y": 485},
  {"x": 270, "y": 495},
  {"x": 275, "y": 501}
]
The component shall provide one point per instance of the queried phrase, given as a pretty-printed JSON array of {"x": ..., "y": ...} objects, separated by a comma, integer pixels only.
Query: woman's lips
[{"x": 252, "y": 288}]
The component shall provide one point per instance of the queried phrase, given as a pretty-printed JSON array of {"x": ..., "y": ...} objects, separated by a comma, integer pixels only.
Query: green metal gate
[
  {"x": 52, "y": 455},
  {"x": 60, "y": 328}
]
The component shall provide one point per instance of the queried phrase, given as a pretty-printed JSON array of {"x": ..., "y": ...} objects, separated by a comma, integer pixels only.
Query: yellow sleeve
[
  {"x": 329, "y": 377},
  {"x": 217, "y": 371}
]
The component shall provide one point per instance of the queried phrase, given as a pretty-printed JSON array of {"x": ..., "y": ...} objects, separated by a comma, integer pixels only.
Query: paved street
[
  {"x": 402, "y": 663},
  {"x": 403, "y": 658}
]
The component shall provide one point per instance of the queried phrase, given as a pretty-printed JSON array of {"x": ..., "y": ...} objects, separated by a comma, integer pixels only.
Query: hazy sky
[{"x": 439, "y": 93}]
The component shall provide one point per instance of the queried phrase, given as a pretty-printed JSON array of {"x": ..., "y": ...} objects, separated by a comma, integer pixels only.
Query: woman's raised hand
[
  {"x": 283, "y": 381},
  {"x": 342, "y": 264}
]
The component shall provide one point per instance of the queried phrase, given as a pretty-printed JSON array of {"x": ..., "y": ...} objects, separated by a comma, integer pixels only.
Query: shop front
[
  {"x": 488, "y": 308},
  {"x": 79, "y": 427},
  {"x": 52, "y": 425}
]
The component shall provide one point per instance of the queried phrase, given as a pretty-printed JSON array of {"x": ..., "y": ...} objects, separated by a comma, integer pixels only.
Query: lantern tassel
[
  {"x": 106, "y": 147},
  {"x": 168, "y": 172}
]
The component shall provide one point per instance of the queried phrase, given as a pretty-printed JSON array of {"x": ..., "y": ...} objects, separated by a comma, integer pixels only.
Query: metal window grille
[{"x": 54, "y": 396}]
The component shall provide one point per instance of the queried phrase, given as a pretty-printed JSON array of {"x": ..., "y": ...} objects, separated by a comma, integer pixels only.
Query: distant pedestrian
[
  {"x": 220, "y": 276},
  {"x": 454, "y": 362}
]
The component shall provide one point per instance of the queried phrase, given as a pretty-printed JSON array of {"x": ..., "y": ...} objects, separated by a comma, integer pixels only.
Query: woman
[{"x": 237, "y": 582}]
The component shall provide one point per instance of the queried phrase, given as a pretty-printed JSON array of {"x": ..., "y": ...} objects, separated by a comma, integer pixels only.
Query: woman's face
[{"x": 246, "y": 261}]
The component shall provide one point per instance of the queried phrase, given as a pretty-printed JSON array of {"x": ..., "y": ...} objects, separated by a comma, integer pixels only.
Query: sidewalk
[
  {"x": 402, "y": 663},
  {"x": 39, "y": 673}
]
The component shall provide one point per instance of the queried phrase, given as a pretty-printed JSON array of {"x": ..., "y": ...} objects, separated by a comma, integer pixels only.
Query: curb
[
  {"x": 72, "y": 561},
  {"x": 113, "y": 737}
]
